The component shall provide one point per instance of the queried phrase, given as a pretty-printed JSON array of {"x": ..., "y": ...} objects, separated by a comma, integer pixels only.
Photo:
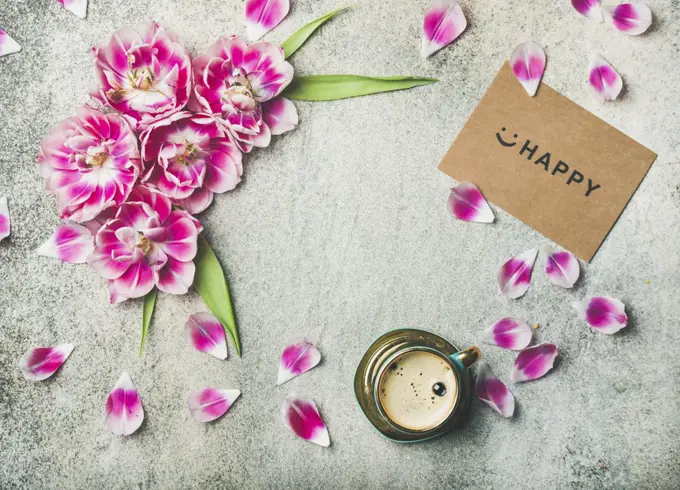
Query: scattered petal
[
  {"x": 124, "y": 412},
  {"x": 629, "y": 18},
  {"x": 263, "y": 15},
  {"x": 206, "y": 334},
  {"x": 514, "y": 276},
  {"x": 297, "y": 358},
  {"x": 7, "y": 44},
  {"x": 42, "y": 362},
  {"x": 444, "y": 22},
  {"x": 602, "y": 313},
  {"x": 78, "y": 7},
  {"x": 533, "y": 362},
  {"x": 528, "y": 64},
  {"x": 493, "y": 391},
  {"x": 605, "y": 82},
  {"x": 210, "y": 404},
  {"x": 280, "y": 115},
  {"x": 69, "y": 243},
  {"x": 561, "y": 267},
  {"x": 588, "y": 8},
  {"x": 467, "y": 203},
  {"x": 302, "y": 417},
  {"x": 4, "y": 218},
  {"x": 509, "y": 333}
]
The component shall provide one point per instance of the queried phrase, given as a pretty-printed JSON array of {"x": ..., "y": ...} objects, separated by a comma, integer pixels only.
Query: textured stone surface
[{"x": 338, "y": 233}]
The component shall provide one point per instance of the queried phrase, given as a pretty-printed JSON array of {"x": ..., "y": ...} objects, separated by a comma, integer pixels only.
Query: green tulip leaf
[
  {"x": 147, "y": 313},
  {"x": 333, "y": 87},
  {"x": 299, "y": 37}
]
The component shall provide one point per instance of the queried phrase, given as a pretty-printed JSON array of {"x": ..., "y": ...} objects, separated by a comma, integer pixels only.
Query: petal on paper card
[
  {"x": 534, "y": 362},
  {"x": 124, "y": 412},
  {"x": 209, "y": 404},
  {"x": 602, "y": 313},
  {"x": 509, "y": 333},
  {"x": 78, "y": 7},
  {"x": 7, "y": 44},
  {"x": 42, "y": 362},
  {"x": 69, "y": 243},
  {"x": 528, "y": 64},
  {"x": 467, "y": 203},
  {"x": 302, "y": 417},
  {"x": 4, "y": 218},
  {"x": 297, "y": 358},
  {"x": 444, "y": 22},
  {"x": 588, "y": 8},
  {"x": 629, "y": 18},
  {"x": 263, "y": 15},
  {"x": 604, "y": 81},
  {"x": 493, "y": 391},
  {"x": 514, "y": 276},
  {"x": 561, "y": 267},
  {"x": 206, "y": 334}
]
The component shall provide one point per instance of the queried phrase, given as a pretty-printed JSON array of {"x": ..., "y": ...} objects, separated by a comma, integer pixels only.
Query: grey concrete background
[{"x": 338, "y": 233}]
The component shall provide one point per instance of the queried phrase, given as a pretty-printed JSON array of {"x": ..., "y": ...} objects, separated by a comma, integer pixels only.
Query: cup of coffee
[{"x": 413, "y": 385}]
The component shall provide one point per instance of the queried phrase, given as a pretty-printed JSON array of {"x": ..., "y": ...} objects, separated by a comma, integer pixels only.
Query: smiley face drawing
[{"x": 503, "y": 142}]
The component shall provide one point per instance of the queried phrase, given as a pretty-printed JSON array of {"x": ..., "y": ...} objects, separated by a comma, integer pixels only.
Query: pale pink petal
[
  {"x": 528, "y": 64},
  {"x": 209, "y": 404},
  {"x": 206, "y": 334},
  {"x": 4, "y": 218},
  {"x": 78, "y": 7},
  {"x": 124, "y": 412},
  {"x": 629, "y": 18},
  {"x": 467, "y": 203},
  {"x": 561, "y": 267},
  {"x": 509, "y": 333},
  {"x": 534, "y": 362},
  {"x": 444, "y": 21},
  {"x": 69, "y": 243},
  {"x": 493, "y": 391},
  {"x": 263, "y": 15},
  {"x": 514, "y": 276},
  {"x": 42, "y": 362},
  {"x": 7, "y": 44},
  {"x": 588, "y": 8},
  {"x": 280, "y": 115},
  {"x": 602, "y": 313},
  {"x": 302, "y": 417},
  {"x": 604, "y": 81},
  {"x": 297, "y": 358}
]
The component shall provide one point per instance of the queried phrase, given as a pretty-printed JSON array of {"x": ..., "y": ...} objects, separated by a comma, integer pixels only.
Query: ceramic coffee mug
[{"x": 413, "y": 385}]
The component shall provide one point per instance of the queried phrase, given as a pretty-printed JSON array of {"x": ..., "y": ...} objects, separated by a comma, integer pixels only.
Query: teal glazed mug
[{"x": 413, "y": 385}]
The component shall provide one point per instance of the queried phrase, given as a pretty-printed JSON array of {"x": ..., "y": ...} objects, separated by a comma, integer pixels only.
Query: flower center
[
  {"x": 144, "y": 244},
  {"x": 142, "y": 79},
  {"x": 190, "y": 151},
  {"x": 97, "y": 160}
]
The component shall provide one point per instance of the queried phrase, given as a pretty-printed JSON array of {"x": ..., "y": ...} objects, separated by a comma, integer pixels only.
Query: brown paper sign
[{"x": 549, "y": 162}]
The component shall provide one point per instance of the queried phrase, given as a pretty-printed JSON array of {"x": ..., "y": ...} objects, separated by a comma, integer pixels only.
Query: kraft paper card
[{"x": 549, "y": 162}]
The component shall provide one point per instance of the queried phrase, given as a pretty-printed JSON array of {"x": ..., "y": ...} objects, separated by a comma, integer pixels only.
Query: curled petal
[
  {"x": 69, "y": 243},
  {"x": 124, "y": 412},
  {"x": 263, "y": 15},
  {"x": 509, "y": 333},
  {"x": 7, "y": 44},
  {"x": 629, "y": 18},
  {"x": 561, "y": 267},
  {"x": 297, "y": 358},
  {"x": 588, "y": 8},
  {"x": 467, "y": 203},
  {"x": 604, "y": 81},
  {"x": 206, "y": 334},
  {"x": 280, "y": 115},
  {"x": 4, "y": 218},
  {"x": 493, "y": 391},
  {"x": 602, "y": 313},
  {"x": 444, "y": 22},
  {"x": 210, "y": 404},
  {"x": 528, "y": 64},
  {"x": 42, "y": 362},
  {"x": 198, "y": 201},
  {"x": 302, "y": 417},
  {"x": 514, "y": 276},
  {"x": 534, "y": 362},
  {"x": 78, "y": 7}
]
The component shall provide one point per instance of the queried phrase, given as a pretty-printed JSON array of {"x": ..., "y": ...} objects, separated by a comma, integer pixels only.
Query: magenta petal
[
  {"x": 629, "y": 18},
  {"x": 124, "y": 412},
  {"x": 534, "y": 362},
  {"x": 528, "y": 64},
  {"x": 561, "y": 267},
  {"x": 4, "y": 218},
  {"x": 280, "y": 115},
  {"x": 78, "y": 7},
  {"x": 263, "y": 15},
  {"x": 302, "y": 417},
  {"x": 206, "y": 334},
  {"x": 467, "y": 203},
  {"x": 444, "y": 21},
  {"x": 297, "y": 358},
  {"x": 69, "y": 243},
  {"x": 604, "y": 81},
  {"x": 7, "y": 44},
  {"x": 602, "y": 313},
  {"x": 514, "y": 276},
  {"x": 588, "y": 8},
  {"x": 493, "y": 391},
  {"x": 509, "y": 333},
  {"x": 209, "y": 404},
  {"x": 42, "y": 362}
]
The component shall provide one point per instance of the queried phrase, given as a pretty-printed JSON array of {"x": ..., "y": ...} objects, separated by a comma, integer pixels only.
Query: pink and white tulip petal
[
  {"x": 528, "y": 64},
  {"x": 210, "y": 404},
  {"x": 602, "y": 313},
  {"x": 588, "y": 8},
  {"x": 280, "y": 115},
  {"x": 629, "y": 18},
  {"x": 297, "y": 358},
  {"x": 444, "y": 22},
  {"x": 69, "y": 243},
  {"x": 514, "y": 276},
  {"x": 78, "y": 7},
  {"x": 124, "y": 412},
  {"x": 509, "y": 333},
  {"x": 534, "y": 362},
  {"x": 493, "y": 391},
  {"x": 206, "y": 334},
  {"x": 42, "y": 362},
  {"x": 263, "y": 15},
  {"x": 604, "y": 81},
  {"x": 7, "y": 44},
  {"x": 302, "y": 417},
  {"x": 467, "y": 203},
  {"x": 561, "y": 267},
  {"x": 4, "y": 218}
]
